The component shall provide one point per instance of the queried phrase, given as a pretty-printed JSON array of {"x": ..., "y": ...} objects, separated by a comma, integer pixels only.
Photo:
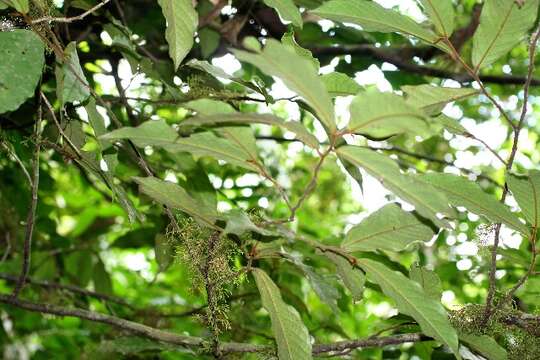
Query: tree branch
[
  {"x": 197, "y": 342},
  {"x": 31, "y": 217},
  {"x": 395, "y": 57},
  {"x": 70, "y": 19},
  {"x": 517, "y": 129}
]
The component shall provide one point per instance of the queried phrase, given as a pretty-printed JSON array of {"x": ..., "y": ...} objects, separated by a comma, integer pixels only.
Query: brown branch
[
  {"x": 31, "y": 217},
  {"x": 70, "y": 288},
  {"x": 197, "y": 342},
  {"x": 394, "y": 57},
  {"x": 70, "y": 19},
  {"x": 510, "y": 162},
  {"x": 208, "y": 18}
]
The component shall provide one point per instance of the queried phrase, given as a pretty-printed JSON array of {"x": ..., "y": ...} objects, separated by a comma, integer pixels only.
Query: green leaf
[
  {"x": 239, "y": 223},
  {"x": 98, "y": 125},
  {"x": 339, "y": 84},
  {"x": 174, "y": 196},
  {"x": 297, "y": 73},
  {"x": 288, "y": 40},
  {"x": 353, "y": 278},
  {"x": 102, "y": 279},
  {"x": 441, "y": 14},
  {"x": 428, "y": 280},
  {"x": 22, "y": 62},
  {"x": 432, "y": 99},
  {"x": 164, "y": 252},
  {"x": 21, "y": 6},
  {"x": 158, "y": 133},
  {"x": 389, "y": 228},
  {"x": 462, "y": 192},
  {"x": 182, "y": 22},
  {"x": 411, "y": 300},
  {"x": 287, "y": 10},
  {"x": 292, "y": 336},
  {"x": 428, "y": 201},
  {"x": 484, "y": 345},
  {"x": 503, "y": 24},
  {"x": 373, "y": 17},
  {"x": 250, "y": 118},
  {"x": 71, "y": 82},
  {"x": 450, "y": 124},
  {"x": 323, "y": 285},
  {"x": 384, "y": 114},
  {"x": 526, "y": 191},
  {"x": 209, "y": 107}
]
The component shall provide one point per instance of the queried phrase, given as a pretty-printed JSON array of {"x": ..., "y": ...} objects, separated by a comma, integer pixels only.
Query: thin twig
[
  {"x": 59, "y": 127},
  {"x": 70, "y": 288},
  {"x": 70, "y": 19},
  {"x": 474, "y": 75},
  {"x": 13, "y": 154},
  {"x": 517, "y": 129},
  {"x": 7, "y": 236},
  {"x": 31, "y": 217}
]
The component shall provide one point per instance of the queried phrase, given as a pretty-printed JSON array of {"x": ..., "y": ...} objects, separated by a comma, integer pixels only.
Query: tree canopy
[{"x": 259, "y": 179}]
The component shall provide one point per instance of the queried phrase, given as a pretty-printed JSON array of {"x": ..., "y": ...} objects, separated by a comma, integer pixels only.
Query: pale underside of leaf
[
  {"x": 182, "y": 21},
  {"x": 389, "y": 228},
  {"x": 411, "y": 299},
  {"x": 441, "y": 14},
  {"x": 385, "y": 114},
  {"x": 427, "y": 200},
  {"x": 462, "y": 192},
  {"x": 297, "y": 73},
  {"x": 174, "y": 196},
  {"x": 373, "y": 17},
  {"x": 249, "y": 118},
  {"x": 158, "y": 133},
  {"x": 432, "y": 99},
  {"x": 503, "y": 24},
  {"x": 526, "y": 191},
  {"x": 291, "y": 335}
]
